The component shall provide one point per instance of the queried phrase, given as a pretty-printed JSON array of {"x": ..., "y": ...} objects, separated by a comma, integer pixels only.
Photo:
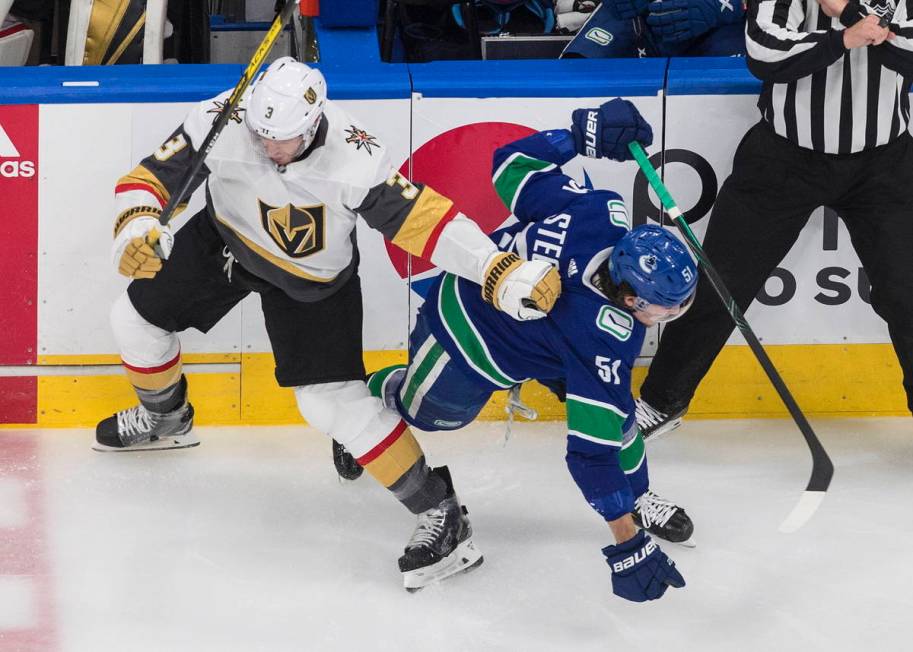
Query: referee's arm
[{"x": 778, "y": 51}]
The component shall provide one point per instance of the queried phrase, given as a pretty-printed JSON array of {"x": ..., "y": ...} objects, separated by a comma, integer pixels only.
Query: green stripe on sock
[
  {"x": 632, "y": 456},
  {"x": 594, "y": 421},
  {"x": 421, "y": 372},
  {"x": 376, "y": 380},
  {"x": 460, "y": 329}
]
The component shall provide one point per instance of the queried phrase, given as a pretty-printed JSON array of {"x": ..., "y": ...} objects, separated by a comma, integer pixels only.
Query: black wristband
[{"x": 852, "y": 14}]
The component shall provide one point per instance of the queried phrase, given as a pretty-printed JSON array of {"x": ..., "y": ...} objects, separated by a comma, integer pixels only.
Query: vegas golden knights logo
[
  {"x": 310, "y": 95},
  {"x": 298, "y": 230}
]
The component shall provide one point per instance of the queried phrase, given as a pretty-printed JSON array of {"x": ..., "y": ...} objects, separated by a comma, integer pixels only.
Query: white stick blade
[{"x": 804, "y": 509}]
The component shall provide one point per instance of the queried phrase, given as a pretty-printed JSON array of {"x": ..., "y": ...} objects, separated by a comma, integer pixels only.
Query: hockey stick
[
  {"x": 222, "y": 119},
  {"x": 822, "y": 467}
]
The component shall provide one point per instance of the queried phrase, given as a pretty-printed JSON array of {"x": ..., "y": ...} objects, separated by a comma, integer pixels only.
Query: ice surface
[{"x": 249, "y": 542}]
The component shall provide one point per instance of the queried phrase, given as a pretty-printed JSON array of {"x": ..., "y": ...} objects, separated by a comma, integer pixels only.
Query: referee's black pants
[{"x": 757, "y": 217}]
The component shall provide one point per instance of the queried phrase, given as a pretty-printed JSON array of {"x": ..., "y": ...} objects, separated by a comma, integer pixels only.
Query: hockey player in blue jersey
[{"x": 616, "y": 283}]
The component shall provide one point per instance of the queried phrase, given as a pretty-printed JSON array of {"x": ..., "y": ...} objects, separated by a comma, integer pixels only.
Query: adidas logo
[
  {"x": 572, "y": 268},
  {"x": 13, "y": 168}
]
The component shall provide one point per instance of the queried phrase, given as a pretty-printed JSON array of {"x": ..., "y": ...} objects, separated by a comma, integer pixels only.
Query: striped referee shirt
[{"x": 817, "y": 93}]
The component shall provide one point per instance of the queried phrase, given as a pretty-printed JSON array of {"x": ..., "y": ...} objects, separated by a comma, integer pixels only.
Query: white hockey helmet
[{"x": 287, "y": 101}]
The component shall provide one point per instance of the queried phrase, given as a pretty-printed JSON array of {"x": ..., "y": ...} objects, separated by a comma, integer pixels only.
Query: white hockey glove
[
  {"x": 524, "y": 289},
  {"x": 140, "y": 246}
]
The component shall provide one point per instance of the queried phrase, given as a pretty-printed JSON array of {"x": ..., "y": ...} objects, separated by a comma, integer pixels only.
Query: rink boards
[{"x": 66, "y": 135}]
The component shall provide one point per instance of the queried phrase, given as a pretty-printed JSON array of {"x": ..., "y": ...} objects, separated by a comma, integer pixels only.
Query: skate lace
[
  {"x": 429, "y": 528},
  {"x": 654, "y": 510},
  {"x": 135, "y": 421},
  {"x": 647, "y": 415}
]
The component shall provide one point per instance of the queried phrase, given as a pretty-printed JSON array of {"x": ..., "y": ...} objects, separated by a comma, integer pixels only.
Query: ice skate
[
  {"x": 344, "y": 461},
  {"x": 441, "y": 545},
  {"x": 664, "y": 519},
  {"x": 654, "y": 423},
  {"x": 138, "y": 429}
]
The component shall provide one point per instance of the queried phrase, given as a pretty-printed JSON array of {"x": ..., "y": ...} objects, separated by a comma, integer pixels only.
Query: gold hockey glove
[
  {"x": 523, "y": 289},
  {"x": 140, "y": 246}
]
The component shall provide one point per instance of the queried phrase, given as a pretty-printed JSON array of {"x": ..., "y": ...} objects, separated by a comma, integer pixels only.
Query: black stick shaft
[{"x": 822, "y": 467}]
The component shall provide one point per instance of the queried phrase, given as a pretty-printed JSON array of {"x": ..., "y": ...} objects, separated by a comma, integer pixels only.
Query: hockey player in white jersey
[{"x": 286, "y": 181}]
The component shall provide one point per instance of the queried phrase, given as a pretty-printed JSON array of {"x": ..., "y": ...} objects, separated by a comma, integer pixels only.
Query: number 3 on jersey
[
  {"x": 170, "y": 148},
  {"x": 409, "y": 192}
]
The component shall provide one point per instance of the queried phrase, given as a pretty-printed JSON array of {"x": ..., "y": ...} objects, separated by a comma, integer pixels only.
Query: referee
[{"x": 833, "y": 132}]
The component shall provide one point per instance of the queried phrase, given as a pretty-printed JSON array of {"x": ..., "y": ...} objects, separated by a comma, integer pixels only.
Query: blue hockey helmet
[{"x": 656, "y": 266}]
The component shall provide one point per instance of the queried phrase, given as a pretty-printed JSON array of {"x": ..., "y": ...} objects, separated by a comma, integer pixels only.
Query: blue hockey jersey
[{"x": 586, "y": 340}]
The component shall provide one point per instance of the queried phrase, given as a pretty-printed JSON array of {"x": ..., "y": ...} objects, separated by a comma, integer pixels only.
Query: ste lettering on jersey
[{"x": 18, "y": 258}]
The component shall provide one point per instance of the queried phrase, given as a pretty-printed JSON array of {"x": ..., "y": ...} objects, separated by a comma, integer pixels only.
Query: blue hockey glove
[
  {"x": 640, "y": 570},
  {"x": 675, "y": 21},
  {"x": 628, "y": 9},
  {"x": 606, "y": 131}
]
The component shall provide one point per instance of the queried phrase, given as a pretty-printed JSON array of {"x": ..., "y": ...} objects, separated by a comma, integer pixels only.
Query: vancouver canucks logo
[
  {"x": 298, "y": 230},
  {"x": 361, "y": 138},
  {"x": 647, "y": 263},
  {"x": 218, "y": 107}
]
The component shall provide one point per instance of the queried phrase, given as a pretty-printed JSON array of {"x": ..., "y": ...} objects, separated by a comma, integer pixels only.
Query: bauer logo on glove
[
  {"x": 636, "y": 558},
  {"x": 640, "y": 570}
]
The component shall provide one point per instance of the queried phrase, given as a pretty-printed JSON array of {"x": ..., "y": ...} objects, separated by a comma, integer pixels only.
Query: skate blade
[
  {"x": 165, "y": 443},
  {"x": 690, "y": 542},
  {"x": 665, "y": 430},
  {"x": 462, "y": 560}
]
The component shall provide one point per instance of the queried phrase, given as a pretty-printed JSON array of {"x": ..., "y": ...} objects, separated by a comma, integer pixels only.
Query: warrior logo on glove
[{"x": 525, "y": 291}]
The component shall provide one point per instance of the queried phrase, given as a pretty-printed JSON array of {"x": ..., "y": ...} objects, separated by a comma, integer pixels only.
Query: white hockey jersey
[{"x": 292, "y": 226}]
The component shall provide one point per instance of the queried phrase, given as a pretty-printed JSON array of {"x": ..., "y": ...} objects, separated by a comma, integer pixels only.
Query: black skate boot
[
  {"x": 664, "y": 519},
  {"x": 138, "y": 429},
  {"x": 344, "y": 461},
  {"x": 441, "y": 544},
  {"x": 654, "y": 423}
]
